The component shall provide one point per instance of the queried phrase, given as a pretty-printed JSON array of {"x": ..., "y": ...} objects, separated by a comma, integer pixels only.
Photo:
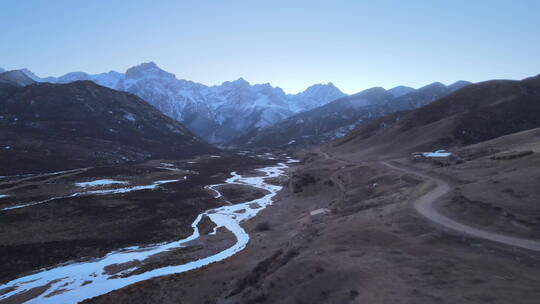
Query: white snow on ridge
[{"x": 3, "y": 195}]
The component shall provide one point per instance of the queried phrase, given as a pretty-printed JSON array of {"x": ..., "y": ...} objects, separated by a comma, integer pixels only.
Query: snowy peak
[
  {"x": 240, "y": 82},
  {"x": 320, "y": 90},
  {"x": 314, "y": 96},
  {"x": 146, "y": 70}
]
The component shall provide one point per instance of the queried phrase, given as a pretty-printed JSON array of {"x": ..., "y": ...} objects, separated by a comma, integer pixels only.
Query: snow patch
[
  {"x": 130, "y": 117},
  {"x": 99, "y": 182}
]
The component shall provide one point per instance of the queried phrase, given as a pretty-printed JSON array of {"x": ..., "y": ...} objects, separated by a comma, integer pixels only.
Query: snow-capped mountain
[
  {"x": 314, "y": 96},
  {"x": 215, "y": 113}
]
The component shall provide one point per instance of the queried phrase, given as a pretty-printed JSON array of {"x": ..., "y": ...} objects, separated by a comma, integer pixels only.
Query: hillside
[
  {"x": 473, "y": 114},
  {"x": 47, "y": 127}
]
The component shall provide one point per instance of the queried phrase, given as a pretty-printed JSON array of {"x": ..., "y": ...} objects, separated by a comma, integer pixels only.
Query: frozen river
[{"x": 74, "y": 282}]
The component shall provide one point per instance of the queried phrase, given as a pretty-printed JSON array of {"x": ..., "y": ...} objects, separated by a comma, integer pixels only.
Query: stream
[{"x": 75, "y": 282}]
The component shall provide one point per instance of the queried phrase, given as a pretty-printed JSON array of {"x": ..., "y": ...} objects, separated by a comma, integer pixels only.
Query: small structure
[
  {"x": 438, "y": 154},
  {"x": 439, "y": 157}
]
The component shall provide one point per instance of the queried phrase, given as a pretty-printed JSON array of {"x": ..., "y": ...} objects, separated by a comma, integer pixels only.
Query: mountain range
[
  {"x": 215, "y": 113},
  {"x": 242, "y": 114},
  {"x": 340, "y": 116}
]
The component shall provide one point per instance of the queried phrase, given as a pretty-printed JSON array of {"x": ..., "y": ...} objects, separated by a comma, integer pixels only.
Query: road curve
[{"x": 425, "y": 206}]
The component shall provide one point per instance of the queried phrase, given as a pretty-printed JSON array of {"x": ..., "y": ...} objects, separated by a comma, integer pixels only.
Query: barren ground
[{"x": 372, "y": 247}]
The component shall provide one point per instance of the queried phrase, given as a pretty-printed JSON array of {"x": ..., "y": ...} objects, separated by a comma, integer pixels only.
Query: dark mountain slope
[
  {"x": 473, "y": 114},
  {"x": 420, "y": 97},
  {"x": 58, "y": 126}
]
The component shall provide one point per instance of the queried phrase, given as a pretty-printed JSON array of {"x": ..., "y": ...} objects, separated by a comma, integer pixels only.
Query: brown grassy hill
[
  {"x": 59, "y": 126},
  {"x": 473, "y": 114}
]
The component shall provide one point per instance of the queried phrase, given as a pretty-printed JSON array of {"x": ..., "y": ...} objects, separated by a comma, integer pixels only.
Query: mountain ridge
[{"x": 470, "y": 115}]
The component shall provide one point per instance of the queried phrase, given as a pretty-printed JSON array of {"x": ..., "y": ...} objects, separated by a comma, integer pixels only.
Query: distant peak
[
  {"x": 238, "y": 82},
  {"x": 147, "y": 68},
  {"x": 433, "y": 85},
  {"x": 241, "y": 80},
  {"x": 148, "y": 65},
  {"x": 329, "y": 87},
  {"x": 459, "y": 84},
  {"x": 400, "y": 90},
  {"x": 374, "y": 90}
]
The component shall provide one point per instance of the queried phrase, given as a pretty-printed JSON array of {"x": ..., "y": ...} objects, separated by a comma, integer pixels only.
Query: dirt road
[{"x": 425, "y": 206}]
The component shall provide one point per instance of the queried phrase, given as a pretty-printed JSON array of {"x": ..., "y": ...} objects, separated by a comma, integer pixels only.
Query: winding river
[{"x": 74, "y": 282}]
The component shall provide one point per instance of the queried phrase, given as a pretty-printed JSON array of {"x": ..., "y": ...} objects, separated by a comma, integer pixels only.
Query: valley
[
  {"x": 269, "y": 152},
  {"x": 84, "y": 241},
  {"x": 429, "y": 195},
  {"x": 348, "y": 230}
]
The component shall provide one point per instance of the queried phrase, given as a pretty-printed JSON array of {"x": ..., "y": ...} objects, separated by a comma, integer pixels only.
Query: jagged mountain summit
[
  {"x": 315, "y": 96},
  {"x": 215, "y": 113},
  {"x": 340, "y": 116}
]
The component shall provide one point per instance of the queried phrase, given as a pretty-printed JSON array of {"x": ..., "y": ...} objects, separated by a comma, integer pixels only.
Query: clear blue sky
[{"x": 291, "y": 44}]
